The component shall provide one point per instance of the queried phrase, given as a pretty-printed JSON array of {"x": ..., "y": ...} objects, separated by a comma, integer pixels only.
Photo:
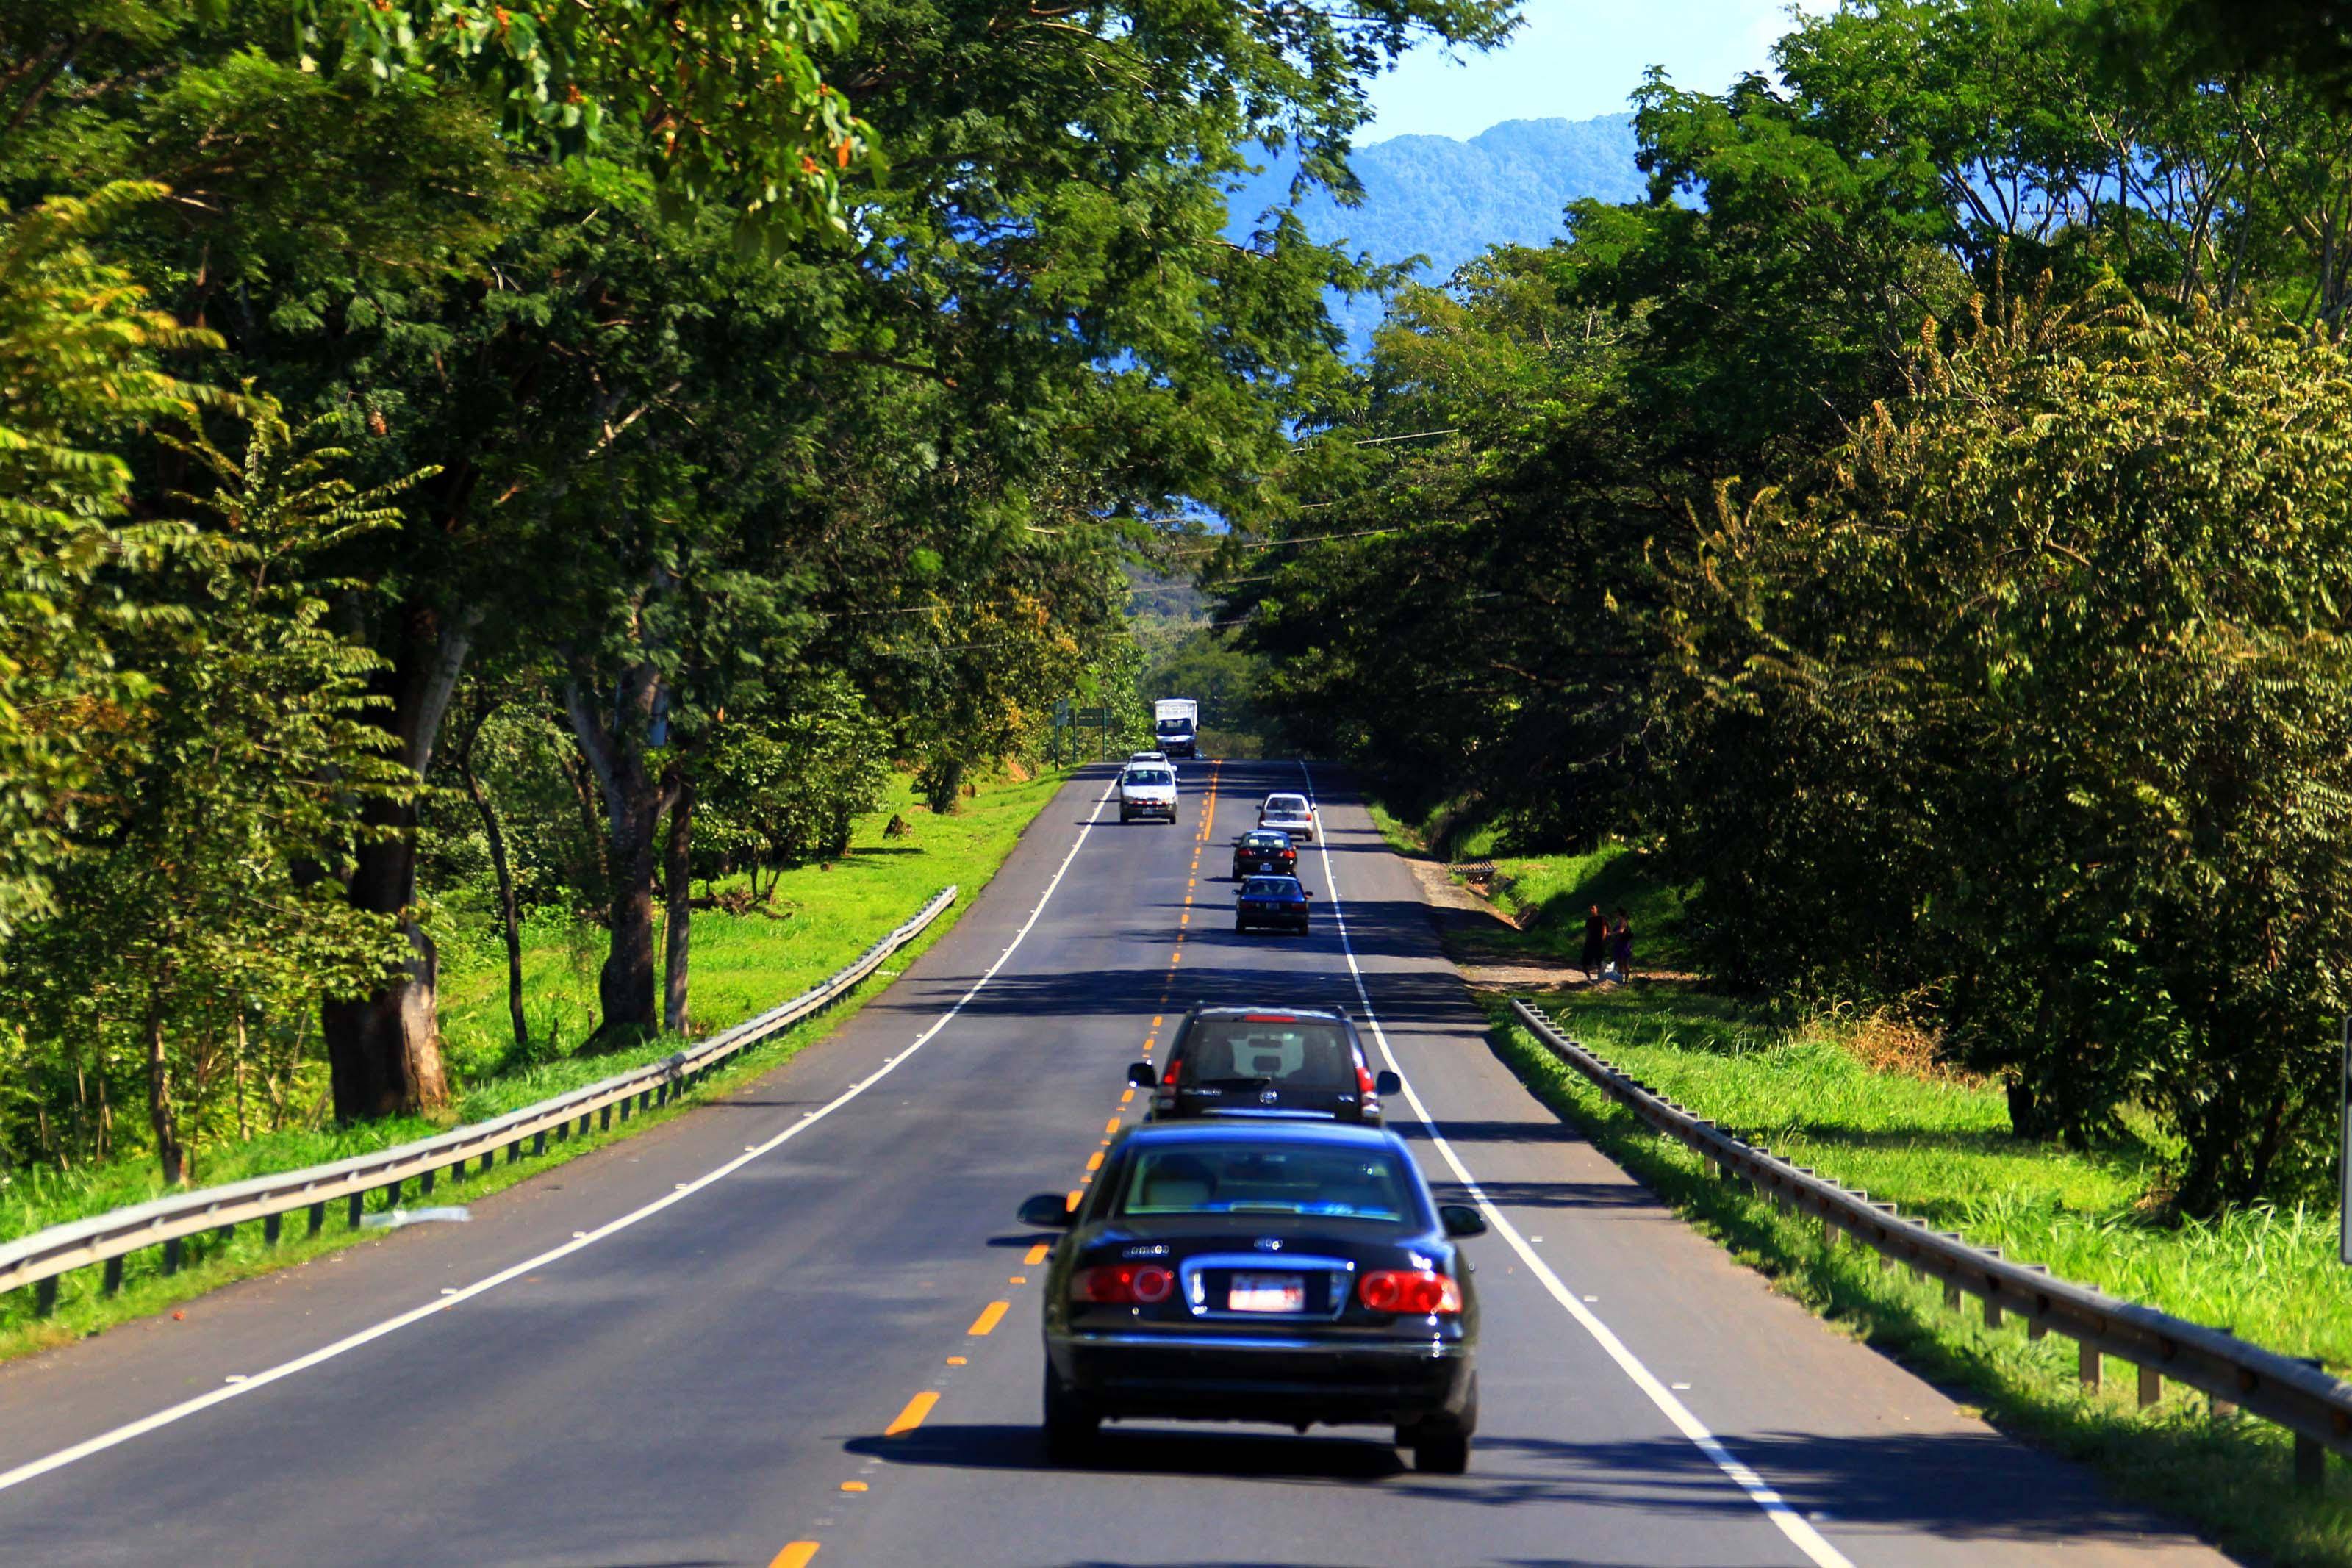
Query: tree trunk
[
  {"x": 677, "y": 872},
  {"x": 507, "y": 915},
  {"x": 383, "y": 1050},
  {"x": 634, "y": 800},
  {"x": 168, "y": 1152}
]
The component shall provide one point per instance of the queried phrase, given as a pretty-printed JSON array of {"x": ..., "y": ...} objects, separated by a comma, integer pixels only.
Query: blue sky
[{"x": 1576, "y": 59}]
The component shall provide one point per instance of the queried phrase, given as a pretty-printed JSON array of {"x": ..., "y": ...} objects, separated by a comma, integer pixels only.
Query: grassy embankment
[
  {"x": 1864, "y": 1102},
  {"x": 743, "y": 965}
]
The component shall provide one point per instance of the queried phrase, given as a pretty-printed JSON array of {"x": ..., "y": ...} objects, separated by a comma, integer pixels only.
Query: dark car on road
[
  {"x": 1277, "y": 902},
  {"x": 1266, "y": 1063},
  {"x": 1263, "y": 851},
  {"x": 1293, "y": 1272}
]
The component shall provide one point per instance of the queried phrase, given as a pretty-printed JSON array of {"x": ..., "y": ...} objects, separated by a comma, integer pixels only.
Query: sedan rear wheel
[
  {"x": 1441, "y": 1453},
  {"x": 1071, "y": 1421}
]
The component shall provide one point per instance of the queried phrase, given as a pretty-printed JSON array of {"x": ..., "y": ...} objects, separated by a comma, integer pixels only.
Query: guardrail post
[
  {"x": 1993, "y": 1306},
  {"x": 2310, "y": 1464},
  {"x": 2151, "y": 1387},
  {"x": 604, "y": 1120},
  {"x": 514, "y": 1150},
  {"x": 2086, "y": 1363},
  {"x": 424, "y": 1183},
  {"x": 271, "y": 1225},
  {"x": 318, "y": 1216},
  {"x": 172, "y": 1256},
  {"x": 539, "y": 1142},
  {"x": 114, "y": 1281},
  {"x": 353, "y": 1218},
  {"x": 45, "y": 1296}
]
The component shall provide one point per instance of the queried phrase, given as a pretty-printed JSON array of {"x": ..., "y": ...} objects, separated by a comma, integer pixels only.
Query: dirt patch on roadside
[{"x": 1467, "y": 925}]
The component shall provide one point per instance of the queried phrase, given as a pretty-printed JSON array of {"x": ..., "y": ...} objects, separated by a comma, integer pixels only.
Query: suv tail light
[
  {"x": 1414, "y": 1292},
  {"x": 1122, "y": 1284},
  {"x": 1364, "y": 1082}
]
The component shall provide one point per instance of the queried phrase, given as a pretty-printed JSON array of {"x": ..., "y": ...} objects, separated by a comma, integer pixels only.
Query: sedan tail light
[
  {"x": 1122, "y": 1284},
  {"x": 1415, "y": 1292}
]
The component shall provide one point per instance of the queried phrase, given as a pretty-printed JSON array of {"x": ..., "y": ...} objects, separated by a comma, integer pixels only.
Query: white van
[{"x": 1146, "y": 789}]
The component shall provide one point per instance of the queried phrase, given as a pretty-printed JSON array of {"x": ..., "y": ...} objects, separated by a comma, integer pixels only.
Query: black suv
[
  {"x": 1267, "y": 1062},
  {"x": 1263, "y": 851}
]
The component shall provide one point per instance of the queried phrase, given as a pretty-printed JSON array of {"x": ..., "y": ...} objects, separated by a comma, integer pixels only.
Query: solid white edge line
[
  {"x": 1793, "y": 1525},
  {"x": 185, "y": 1408}
]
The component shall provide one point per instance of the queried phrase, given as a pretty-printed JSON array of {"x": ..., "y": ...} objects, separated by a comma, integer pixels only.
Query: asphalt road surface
[{"x": 800, "y": 1324}]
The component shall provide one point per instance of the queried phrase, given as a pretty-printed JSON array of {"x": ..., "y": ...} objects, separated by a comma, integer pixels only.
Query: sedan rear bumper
[{"x": 1280, "y": 1377}]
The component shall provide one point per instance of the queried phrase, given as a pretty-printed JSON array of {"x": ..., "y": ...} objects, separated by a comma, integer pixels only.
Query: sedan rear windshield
[
  {"x": 1150, "y": 776},
  {"x": 1237, "y": 1178},
  {"x": 1265, "y": 841},
  {"x": 1270, "y": 887},
  {"x": 1257, "y": 1053},
  {"x": 1287, "y": 805}
]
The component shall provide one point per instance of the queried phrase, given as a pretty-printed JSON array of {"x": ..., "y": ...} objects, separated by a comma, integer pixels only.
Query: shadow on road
[{"x": 1961, "y": 1487}]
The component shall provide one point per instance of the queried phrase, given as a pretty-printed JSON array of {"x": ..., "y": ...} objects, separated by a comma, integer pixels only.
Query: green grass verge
[
  {"x": 743, "y": 965},
  {"x": 1940, "y": 1151}
]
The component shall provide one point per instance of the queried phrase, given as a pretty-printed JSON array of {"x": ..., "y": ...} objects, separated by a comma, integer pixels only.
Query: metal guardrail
[
  {"x": 2296, "y": 1395},
  {"x": 107, "y": 1239}
]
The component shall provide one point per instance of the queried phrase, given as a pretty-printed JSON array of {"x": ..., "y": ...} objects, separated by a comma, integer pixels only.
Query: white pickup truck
[{"x": 1146, "y": 789}]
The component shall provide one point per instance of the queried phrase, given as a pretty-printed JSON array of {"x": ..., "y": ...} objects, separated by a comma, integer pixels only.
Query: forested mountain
[{"x": 1448, "y": 199}]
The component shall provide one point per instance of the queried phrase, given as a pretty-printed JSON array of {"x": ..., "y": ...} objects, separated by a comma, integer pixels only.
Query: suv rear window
[
  {"x": 1150, "y": 776},
  {"x": 1287, "y": 805},
  {"x": 1243, "y": 1053}
]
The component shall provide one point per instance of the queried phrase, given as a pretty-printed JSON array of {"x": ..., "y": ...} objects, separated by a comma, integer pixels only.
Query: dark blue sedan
[{"x": 1275, "y": 902}]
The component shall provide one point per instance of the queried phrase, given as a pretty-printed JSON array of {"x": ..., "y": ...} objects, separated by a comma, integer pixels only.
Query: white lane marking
[
  {"x": 146, "y": 1423},
  {"x": 1792, "y": 1524}
]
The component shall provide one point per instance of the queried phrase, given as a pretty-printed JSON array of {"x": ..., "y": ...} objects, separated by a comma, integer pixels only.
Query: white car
[
  {"x": 1289, "y": 814},
  {"x": 1146, "y": 789}
]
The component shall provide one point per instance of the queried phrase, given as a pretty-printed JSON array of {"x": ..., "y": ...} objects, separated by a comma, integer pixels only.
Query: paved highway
[{"x": 799, "y": 1325}]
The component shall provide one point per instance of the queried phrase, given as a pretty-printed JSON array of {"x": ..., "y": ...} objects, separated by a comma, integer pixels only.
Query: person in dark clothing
[
  {"x": 1621, "y": 940},
  {"x": 1596, "y": 942}
]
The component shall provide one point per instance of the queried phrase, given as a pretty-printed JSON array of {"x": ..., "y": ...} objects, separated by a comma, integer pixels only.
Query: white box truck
[{"x": 1177, "y": 722}]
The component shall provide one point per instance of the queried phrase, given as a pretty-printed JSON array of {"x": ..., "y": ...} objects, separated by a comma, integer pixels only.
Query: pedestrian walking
[
  {"x": 1596, "y": 942},
  {"x": 1621, "y": 940}
]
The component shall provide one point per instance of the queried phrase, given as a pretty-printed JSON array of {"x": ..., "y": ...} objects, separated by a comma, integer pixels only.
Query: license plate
[{"x": 1266, "y": 1294}]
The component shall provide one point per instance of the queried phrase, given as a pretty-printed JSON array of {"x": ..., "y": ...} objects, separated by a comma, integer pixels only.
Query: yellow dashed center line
[
  {"x": 1126, "y": 1098},
  {"x": 958, "y": 1361},
  {"x": 909, "y": 1419},
  {"x": 991, "y": 1315},
  {"x": 1112, "y": 1125},
  {"x": 1072, "y": 1201},
  {"x": 853, "y": 1486},
  {"x": 797, "y": 1555},
  {"x": 1036, "y": 1254},
  {"x": 1094, "y": 1161}
]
